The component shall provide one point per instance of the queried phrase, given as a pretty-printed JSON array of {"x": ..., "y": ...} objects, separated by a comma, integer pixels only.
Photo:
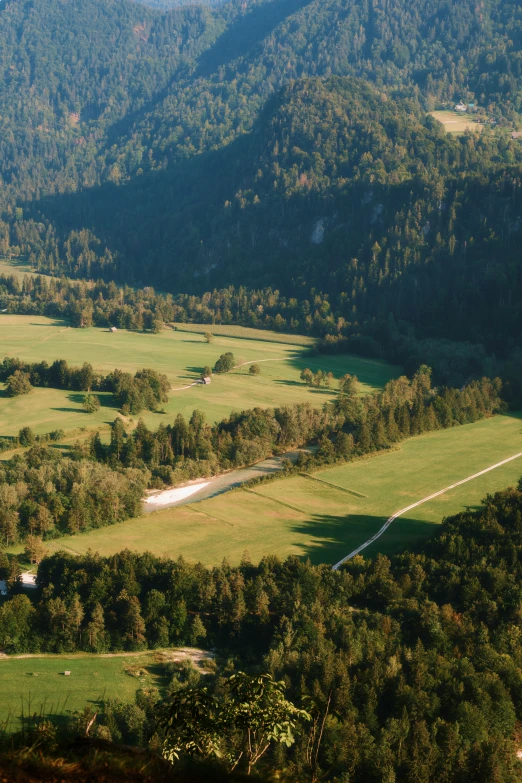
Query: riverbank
[{"x": 201, "y": 489}]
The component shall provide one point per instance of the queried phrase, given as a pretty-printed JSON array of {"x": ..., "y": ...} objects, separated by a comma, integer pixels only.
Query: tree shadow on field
[
  {"x": 196, "y": 370},
  {"x": 330, "y": 537},
  {"x": 106, "y": 401},
  {"x": 51, "y": 323},
  {"x": 282, "y": 382}
]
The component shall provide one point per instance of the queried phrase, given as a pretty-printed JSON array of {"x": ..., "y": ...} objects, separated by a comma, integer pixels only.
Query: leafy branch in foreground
[{"x": 240, "y": 727}]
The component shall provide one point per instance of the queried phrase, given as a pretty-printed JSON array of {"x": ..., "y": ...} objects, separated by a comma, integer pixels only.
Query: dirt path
[
  {"x": 236, "y": 367},
  {"x": 55, "y": 334},
  {"x": 175, "y": 654},
  {"x": 419, "y": 503}
]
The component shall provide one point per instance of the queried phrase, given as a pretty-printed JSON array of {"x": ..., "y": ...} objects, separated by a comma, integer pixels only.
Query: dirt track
[{"x": 419, "y": 503}]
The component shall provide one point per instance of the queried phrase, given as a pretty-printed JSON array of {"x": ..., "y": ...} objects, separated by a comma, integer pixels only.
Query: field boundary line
[
  {"x": 419, "y": 503},
  {"x": 276, "y": 500},
  {"x": 217, "y": 519},
  {"x": 335, "y": 486}
]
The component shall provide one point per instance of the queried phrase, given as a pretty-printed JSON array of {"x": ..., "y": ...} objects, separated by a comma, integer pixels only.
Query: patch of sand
[{"x": 169, "y": 496}]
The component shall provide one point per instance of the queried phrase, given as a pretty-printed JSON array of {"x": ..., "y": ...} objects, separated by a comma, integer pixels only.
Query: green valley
[
  {"x": 181, "y": 354},
  {"x": 326, "y": 515}
]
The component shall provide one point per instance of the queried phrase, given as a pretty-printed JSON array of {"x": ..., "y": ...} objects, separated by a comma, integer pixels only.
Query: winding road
[{"x": 419, "y": 503}]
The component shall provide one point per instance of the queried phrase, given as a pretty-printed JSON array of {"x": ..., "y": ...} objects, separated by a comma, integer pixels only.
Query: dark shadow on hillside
[
  {"x": 334, "y": 537},
  {"x": 171, "y": 230},
  {"x": 245, "y": 33},
  {"x": 189, "y": 191},
  {"x": 178, "y": 215}
]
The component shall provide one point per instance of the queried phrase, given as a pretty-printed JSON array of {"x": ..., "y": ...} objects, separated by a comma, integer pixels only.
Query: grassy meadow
[
  {"x": 16, "y": 267},
  {"x": 328, "y": 515},
  {"x": 181, "y": 355},
  {"x": 38, "y": 684},
  {"x": 457, "y": 123}
]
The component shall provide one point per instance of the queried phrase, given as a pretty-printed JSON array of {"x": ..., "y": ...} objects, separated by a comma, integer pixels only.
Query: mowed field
[
  {"x": 327, "y": 515},
  {"x": 181, "y": 355},
  {"x": 38, "y": 684},
  {"x": 457, "y": 123}
]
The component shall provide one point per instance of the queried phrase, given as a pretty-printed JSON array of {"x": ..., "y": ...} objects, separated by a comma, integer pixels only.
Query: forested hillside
[
  {"x": 411, "y": 666},
  {"x": 272, "y": 143}
]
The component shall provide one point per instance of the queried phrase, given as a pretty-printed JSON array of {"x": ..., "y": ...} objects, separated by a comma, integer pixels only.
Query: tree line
[
  {"x": 345, "y": 429},
  {"x": 147, "y": 389}
]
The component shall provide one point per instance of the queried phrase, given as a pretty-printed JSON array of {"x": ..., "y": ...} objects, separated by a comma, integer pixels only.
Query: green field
[
  {"x": 326, "y": 521},
  {"x": 16, "y": 267},
  {"x": 38, "y": 684},
  {"x": 457, "y": 123},
  {"x": 180, "y": 355}
]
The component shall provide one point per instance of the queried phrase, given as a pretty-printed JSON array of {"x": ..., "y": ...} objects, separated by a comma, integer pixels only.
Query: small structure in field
[
  {"x": 67, "y": 674},
  {"x": 113, "y": 329},
  {"x": 207, "y": 380}
]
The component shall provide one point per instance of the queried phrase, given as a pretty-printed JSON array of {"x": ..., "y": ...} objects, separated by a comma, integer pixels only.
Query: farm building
[
  {"x": 461, "y": 107},
  {"x": 516, "y": 135},
  {"x": 113, "y": 329},
  {"x": 205, "y": 381}
]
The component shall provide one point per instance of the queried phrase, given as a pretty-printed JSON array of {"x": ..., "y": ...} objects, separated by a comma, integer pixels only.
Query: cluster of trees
[
  {"x": 45, "y": 494},
  {"x": 147, "y": 389},
  {"x": 225, "y": 363},
  {"x": 97, "y": 303},
  {"x": 409, "y": 667},
  {"x": 26, "y": 437},
  {"x": 318, "y": 379}
]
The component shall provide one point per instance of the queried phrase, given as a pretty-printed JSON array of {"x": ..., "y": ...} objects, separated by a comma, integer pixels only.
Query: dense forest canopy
[{"x": 270, "y": 143}]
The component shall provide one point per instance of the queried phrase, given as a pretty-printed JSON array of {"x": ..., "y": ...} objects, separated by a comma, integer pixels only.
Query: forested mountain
[{"x": 270, "y": 143}]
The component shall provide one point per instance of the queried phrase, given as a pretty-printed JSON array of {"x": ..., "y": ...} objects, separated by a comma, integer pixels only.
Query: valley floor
[{"x": 327, "y": 515}]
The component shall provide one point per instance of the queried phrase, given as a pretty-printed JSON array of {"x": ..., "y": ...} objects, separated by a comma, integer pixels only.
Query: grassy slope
[
  {"x": 178, "y": 354},
  {"x": 38, "y": 685},
  {"x": 306, "y": 517}
]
